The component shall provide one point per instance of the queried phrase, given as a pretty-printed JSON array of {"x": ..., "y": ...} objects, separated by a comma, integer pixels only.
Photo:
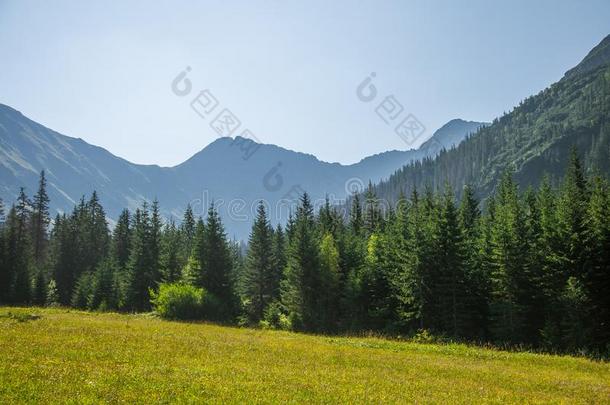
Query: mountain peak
[
  {"x": 452, "y": 133},
  {"x": 598, "y": 56}
]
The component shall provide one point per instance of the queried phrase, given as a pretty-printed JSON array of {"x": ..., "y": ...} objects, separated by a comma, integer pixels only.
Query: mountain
[
  {"x": 234, "y": 173},
  {"x": 534, "y": 138},
  {"x": 598, "y": 56}
]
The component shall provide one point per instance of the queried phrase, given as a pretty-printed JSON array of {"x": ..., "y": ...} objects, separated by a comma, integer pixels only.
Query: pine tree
[
  {"x": 121, "y": 240},
  {"x": 154, "y": 245},
  {"x": 187, "y": 230},
  {"x": 40, "y": 220},
  {"x": 476, "y": 272},
  {"x": 596, "y": 278},
  {"x": 329, "y": 283},
  {"x": 300, "y": 288},
  {"x": 356, "y": 222},
  {"x": 372, "y": 214},
  {"x": 278, "y": 261},
  {"x": 451, "y": 290},
  {"x": 170, "y": 253},
  {"x": 571, "y": 215},
  {"x": 82, "y": 291},
  {"x": 104, "y": 289},
  {"x": 139, "y": 276},
  {"x": 217, "y": 277},
  {"x": 193, "y": 270},
  {"x": 508, "y": 247},
  {"x": 19, "y": 250},
  {"x": 92, "y": 234},
  {"x": 327, "y": 219},
  {"x": 257, "y": 278},
  {"x": 65, "y": 256}
]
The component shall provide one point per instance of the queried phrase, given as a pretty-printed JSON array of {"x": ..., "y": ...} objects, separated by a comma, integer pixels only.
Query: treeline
[{"x": 532, "y": 269}]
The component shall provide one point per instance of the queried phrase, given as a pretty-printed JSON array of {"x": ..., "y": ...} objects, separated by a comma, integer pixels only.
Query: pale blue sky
[{"x": 289, "y": 70}]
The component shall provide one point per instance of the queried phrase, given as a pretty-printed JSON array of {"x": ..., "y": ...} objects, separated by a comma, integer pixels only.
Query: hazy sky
[{"x": 288, "y": 70}]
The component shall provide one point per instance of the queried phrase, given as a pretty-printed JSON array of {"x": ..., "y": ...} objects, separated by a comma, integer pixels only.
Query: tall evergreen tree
[
  {"x": 372, "y": 217},
  {"x": 65, "y": 256},
  {"x": 301, "y": 286},
  {"x": 571, "y": 214},
  {"x": 278, "y": 261},
  {"x": 356, "y": 222},
  {"x": 40, "y": 220},
  {"x": 139, "y": 276},
  {"x": 329, "y": 283},
  {"x": 596, "y": 278},
  {"x": 121, "y": 240},
  {"x": 170, "y": 253},
  {"x": 154, "y": 244},
  {"x": 257, "y": 278},
  {"x": 19, "y": 254},
  {"x": 193, "y": 271},
  {"x": 217, "y": 266},
  {"x": 508, "y": 246},
  {"x": 187, "y": 229},
  {"x": 452, "y": 291}
]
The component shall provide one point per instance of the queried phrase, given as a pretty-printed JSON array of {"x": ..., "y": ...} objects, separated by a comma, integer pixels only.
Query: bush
[
  {"x": 179, "y": 301},
  {"x": 275, "y": 318}
]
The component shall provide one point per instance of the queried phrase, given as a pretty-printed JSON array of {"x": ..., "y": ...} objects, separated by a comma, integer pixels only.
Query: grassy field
[{"x": 57, "y": 355}]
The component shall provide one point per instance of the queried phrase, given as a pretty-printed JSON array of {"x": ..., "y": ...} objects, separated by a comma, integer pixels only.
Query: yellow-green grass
[{"x": 79, "y": 357}]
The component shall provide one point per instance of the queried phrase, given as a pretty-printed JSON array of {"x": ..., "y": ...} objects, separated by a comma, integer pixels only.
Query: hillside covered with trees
[{"x": 534, "y": 138}]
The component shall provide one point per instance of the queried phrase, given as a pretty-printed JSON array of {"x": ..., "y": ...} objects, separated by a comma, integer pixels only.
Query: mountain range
[
  {"x": 234, "y": 173},
  {"x": 533, "y": 139}
]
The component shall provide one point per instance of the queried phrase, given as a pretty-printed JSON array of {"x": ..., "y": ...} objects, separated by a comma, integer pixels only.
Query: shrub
[
  {"x": 52, "y": 295},
  {"x": 179, "y": 301},
  {"x": 275, "y": 318}
]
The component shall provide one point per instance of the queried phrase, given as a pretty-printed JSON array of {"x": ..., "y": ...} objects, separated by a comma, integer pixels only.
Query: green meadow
[{"x": 67, "y": 356}]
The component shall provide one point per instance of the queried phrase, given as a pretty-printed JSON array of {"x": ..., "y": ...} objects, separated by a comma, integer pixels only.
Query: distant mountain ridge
[{"x": 219, "y": 172}]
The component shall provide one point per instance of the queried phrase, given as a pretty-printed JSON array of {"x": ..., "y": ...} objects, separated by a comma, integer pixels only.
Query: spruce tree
[
  {"x": 139, "y": 276},
  {"x": 104, "y": 288},
  {"x": 217, "y": 266},
  {"x": 301, "y": 286},
  {"x": 19, "y": 250},
  {"x": 193, "y": 270},
  {"x": 508, "y": 247},
  {"x": 187, "y": 230},
  {"x": 121, "y": 240},
  {"x": 278, "y": 261},
  {"x": 372, "y": 218},
  {"x": 40, "y": 220},
  {"x": 154, "y": 244},
  {"x": 596, "y": 277},
  {"x": 65, "y": 256},
  {"x": 170, "y": 253},
  {"x": 572, "y": 209},
  {"x": 257, "y": 278},
  {"x": 329, "y": 283},
  {"x": 356, "y": 222},
  {"x": 451, "y": 291}
]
